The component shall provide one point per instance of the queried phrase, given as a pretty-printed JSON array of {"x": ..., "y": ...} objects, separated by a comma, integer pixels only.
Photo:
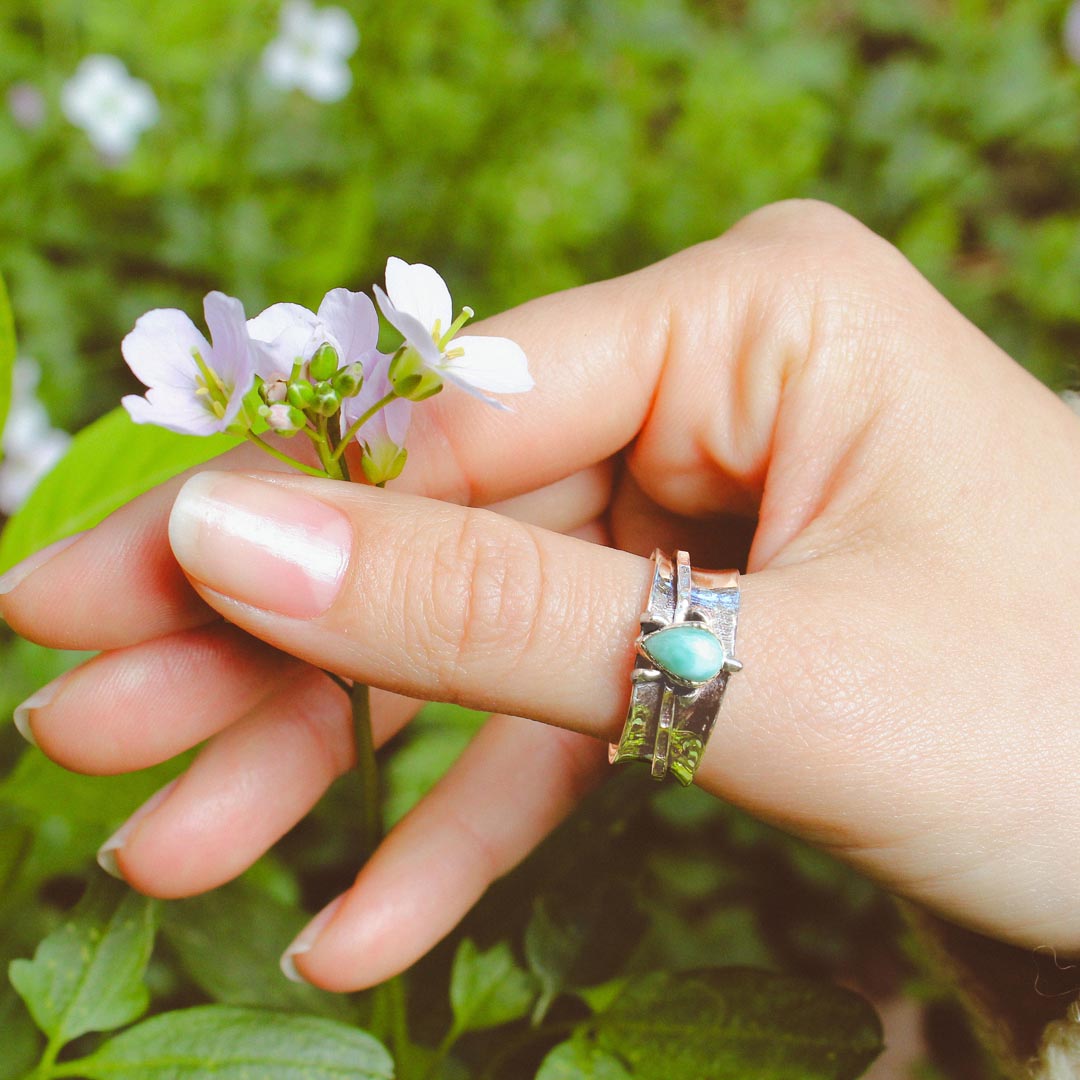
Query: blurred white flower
[
  {"x": 311, "y": 50},
  {"x": 111, "y": 106},
  {"x": 27, "y": 105},
  {"x": 31, "y": 445},
  {"x": 1070, "y": 32}
]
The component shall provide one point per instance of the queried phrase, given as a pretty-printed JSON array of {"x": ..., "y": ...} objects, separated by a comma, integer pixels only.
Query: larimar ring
[{"x": 685, "y": 655}]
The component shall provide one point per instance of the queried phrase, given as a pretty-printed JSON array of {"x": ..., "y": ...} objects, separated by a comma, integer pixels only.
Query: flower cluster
[
  {"x": 293, "y": 371},
  {"x": 110, "y": 105},
  {"x": 311, "y": 52}
]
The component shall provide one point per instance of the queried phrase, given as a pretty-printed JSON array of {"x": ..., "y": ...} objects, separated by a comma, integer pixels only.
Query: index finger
[{"x": 119, "y": 583}]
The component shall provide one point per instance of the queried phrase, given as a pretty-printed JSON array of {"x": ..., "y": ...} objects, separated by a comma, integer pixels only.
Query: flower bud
[
  {"x": 418, "y": 386},
  {"x": 301, "y": 394},
  {"x": 410, "y": 379},
  {"x": 283, "y": 419},
  {"x": 324, "y": 363},
  {"x": 326, "y": 400},
  {"x": 348, "y": 380},
  {"x": 384, "y": 462},
  {"x": 273, "y": 392}
]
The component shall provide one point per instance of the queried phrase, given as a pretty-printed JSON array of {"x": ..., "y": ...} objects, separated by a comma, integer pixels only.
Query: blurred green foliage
[{"x": 520, "y": 146}]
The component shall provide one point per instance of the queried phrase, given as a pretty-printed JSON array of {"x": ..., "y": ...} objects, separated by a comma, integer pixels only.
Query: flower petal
[
  {"x": 276, "y": 319},
  {"x": 232, "y": 355},
  {"x": 419, "y": 291},
  {"x": 325, "y": 79},
  {"x": 351, "y": 318},
  {"x": 158, "y": 350},
  {"x": 283, "y": 333},
  {"x": 389, "y": 423},
  {"x": 282, "y": 63},
  {"x": 411, "y": 329},
  {"x": 179, "y": 412},
  {"x": 334, "y": 31},
  {"x": 468, "y": 387},
  {"x": 495, "y": 364}
]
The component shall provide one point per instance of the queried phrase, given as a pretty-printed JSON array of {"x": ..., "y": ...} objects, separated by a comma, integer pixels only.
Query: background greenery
[{"x": 520, "y": 146}]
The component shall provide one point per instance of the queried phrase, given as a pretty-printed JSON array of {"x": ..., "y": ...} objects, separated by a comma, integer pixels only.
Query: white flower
[
  {"x": 288, "y": 334},
  {"x": 195, "y": 387},
  {"x": 311, "y": 51},
  {"x": 31, "y": 444},
  {"x": 417, "y": 303},
  {"x": 113, "y": 108}
]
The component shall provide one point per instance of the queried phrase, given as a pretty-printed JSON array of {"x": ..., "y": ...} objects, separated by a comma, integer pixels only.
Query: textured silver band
[{"x": 669, "y": 719}]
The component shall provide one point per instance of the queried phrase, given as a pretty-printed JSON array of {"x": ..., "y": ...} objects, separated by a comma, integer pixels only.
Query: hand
[{"x": 909, "y": 694}]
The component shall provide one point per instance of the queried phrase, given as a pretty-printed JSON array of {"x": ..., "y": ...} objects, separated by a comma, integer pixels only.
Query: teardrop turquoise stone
[{"x": 690, "y": 653}]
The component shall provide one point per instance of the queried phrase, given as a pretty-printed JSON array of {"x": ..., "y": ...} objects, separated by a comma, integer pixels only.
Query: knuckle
[
  {"x": 845, "y": 291},
  {"x": 484, "y": 598},
  {"x": 822, "y": 252}
]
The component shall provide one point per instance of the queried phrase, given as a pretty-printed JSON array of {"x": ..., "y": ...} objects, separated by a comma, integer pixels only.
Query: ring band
[{"x": 685, "y": 655}]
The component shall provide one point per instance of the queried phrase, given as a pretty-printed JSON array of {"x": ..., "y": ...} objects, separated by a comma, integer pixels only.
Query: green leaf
[
  {"x": 553, "y": 943},
  {"x": 74, "y": 814},
  {"x": 216, "y": 1042},
  {"x": 434, "y": 739},
  {"x": 733, "y": 1023},
  {"x": 21, "y": 1041},
  {"x": 88, "y": 974},
  {"x": 488, "y": 988},
  {"x": 7, "y": 356},
  {"x": 211, "y": 936},
  {"x": 571, "y": 940},
  {"x": 107, "y": 465},
  {"x": 578, "y": 1059}
]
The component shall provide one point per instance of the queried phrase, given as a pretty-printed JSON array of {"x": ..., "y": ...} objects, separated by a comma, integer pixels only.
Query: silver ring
[{"x": 685, "y": 656}]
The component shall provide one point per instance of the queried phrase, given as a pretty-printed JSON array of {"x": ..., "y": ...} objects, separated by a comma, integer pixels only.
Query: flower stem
[
  {"x": 326, "y": 456},
  {"x": 365, "y": 417},
  {"x": 273, "y": 451},
  {"x": 390, "y": 1000},
  {"x": 368, "y": 771}
]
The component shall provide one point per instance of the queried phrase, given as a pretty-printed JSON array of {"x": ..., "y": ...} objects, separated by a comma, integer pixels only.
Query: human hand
[{"x": 907, "y": 699}]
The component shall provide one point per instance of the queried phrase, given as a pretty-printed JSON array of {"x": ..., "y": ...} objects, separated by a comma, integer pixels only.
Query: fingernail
[
  {"x": 106, "y": 855},
  {"x": 21, "y": 571},
  {"x": 305, "y": 941},
  {"x": 37, "y": 700},
  {"x": 264, "y": 544}
]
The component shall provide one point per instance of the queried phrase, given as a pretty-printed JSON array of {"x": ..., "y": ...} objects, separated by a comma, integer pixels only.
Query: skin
[{"x": 912, "y": 596}]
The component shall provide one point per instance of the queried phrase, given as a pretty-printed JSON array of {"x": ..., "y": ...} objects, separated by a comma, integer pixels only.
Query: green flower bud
[
  {"x": 410, "y": 379},
  {"x": 348, "y": 380},
  {"x": 324, "y": 363},
  {"x": 326, "y": 400},
  {"x": 418, "y": 386},
  {"x": 383, "y": 463},
  {"x": 301, "y": 394}
]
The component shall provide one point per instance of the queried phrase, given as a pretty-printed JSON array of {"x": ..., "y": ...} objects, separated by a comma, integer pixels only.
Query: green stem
[
  {"x": 46, "y": 1066},
  {"x": 322, "y": 445},
  {"x": 391, "y": 1003},
  {"x": 400, "y": 1043},
  {"x": 273, "y": 451},
  {"x": 442, "y": 1052},
  {"x": 507, "y": 1052},
  {"x": 70, "y": 1068},
  {"x": 354, "y": 428},
  {"x": 368, "y": 771}
]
